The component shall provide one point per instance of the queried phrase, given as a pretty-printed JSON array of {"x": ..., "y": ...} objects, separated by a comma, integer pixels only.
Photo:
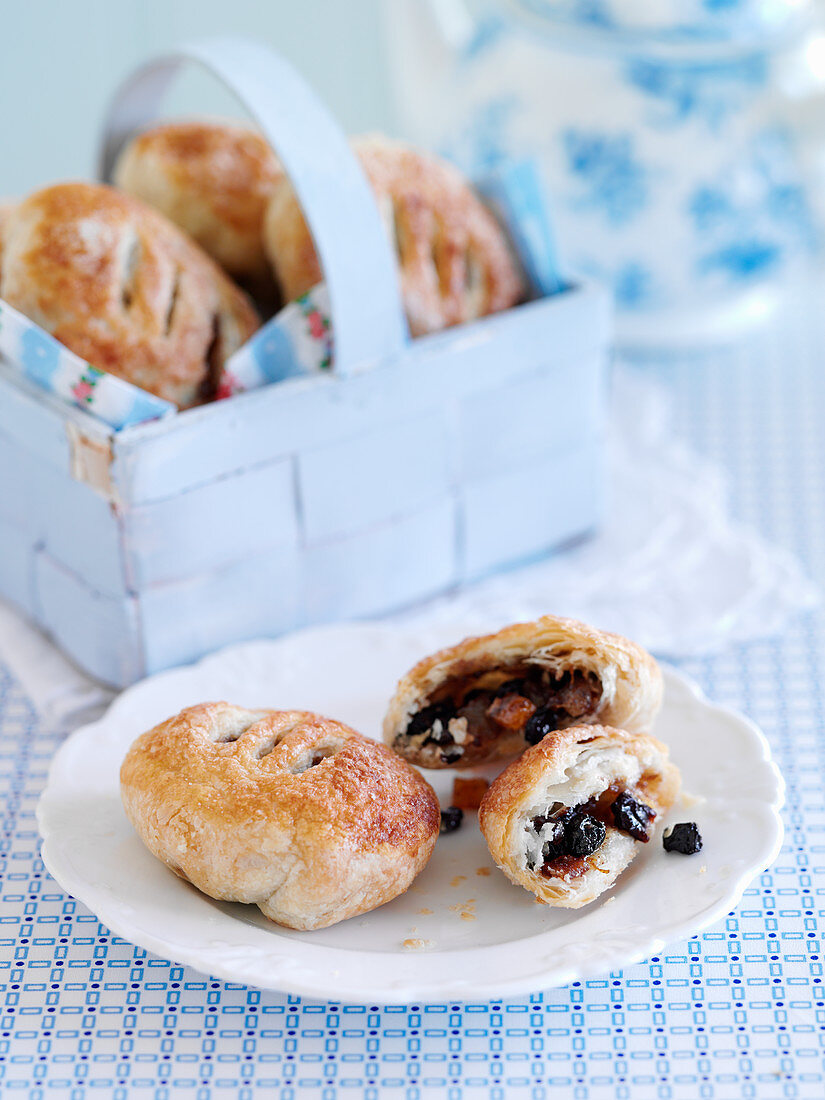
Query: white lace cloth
[{"x": 669, "y": 568}]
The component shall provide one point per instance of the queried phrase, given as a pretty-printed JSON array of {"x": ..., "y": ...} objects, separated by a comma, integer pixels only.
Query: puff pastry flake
[
  {"x": 299, "y": 814},
  {"x": 567, "y": 817},
  {"x": 491, "y": 697}
]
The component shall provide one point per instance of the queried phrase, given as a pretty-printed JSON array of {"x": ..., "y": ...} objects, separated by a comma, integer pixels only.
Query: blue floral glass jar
[
  {"x": 672, "y": 176},
  {"x": 746, "y": 23}
]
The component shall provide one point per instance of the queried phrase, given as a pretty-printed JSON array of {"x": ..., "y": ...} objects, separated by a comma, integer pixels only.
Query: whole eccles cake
[
  {"x": 122, "y": 287},
  {"x": 296, "y": 813},
  {"x": 214, "y": 180},
  {"x": 567, "y": 817},
  {"x": 454, "y": 261}
]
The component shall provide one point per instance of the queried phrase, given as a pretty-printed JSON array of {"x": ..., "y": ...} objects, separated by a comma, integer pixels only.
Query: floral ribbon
[
  {"x": 296, "y": 341},
  {"x": 36, "y": 355}
]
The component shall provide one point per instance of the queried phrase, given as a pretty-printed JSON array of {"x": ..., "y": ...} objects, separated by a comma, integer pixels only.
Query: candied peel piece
[
  {"x": 468, "y": 792},
  {"x": 511, "y": 711}
]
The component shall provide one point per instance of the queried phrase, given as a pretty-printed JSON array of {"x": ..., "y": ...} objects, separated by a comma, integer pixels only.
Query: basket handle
[{"x": 357, "y": 260}]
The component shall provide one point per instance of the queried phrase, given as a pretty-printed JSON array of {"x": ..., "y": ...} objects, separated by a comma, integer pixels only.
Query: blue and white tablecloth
[{"x": 738, "y": 1011}]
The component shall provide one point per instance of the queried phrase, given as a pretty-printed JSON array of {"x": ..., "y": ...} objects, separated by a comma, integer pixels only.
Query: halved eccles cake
[
  {"x": 493, "y": 696},
  {"x": 567, "y": 817}
]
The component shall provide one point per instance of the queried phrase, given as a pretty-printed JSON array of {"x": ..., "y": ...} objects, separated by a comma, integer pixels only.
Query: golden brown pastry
[
  {"x": 123, "y": 288},
  {"x": 214, "y": 180},
  {"x": 567, "y": 817},
  {"x": 454, "y": 261},
  {"x": 491, "y": 697},
  {"x": 299, "y": 814}
]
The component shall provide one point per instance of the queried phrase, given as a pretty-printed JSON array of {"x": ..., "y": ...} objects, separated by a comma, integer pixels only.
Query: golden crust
[
  {"x": 569, "y": 767},
  {"x": 214, "y": 180},
  {"x": 231, "y": 800},
  {"x": 454, "y": 261},
  {"x": 630, "y": 678},
  {"x": 123, "y": 288}
]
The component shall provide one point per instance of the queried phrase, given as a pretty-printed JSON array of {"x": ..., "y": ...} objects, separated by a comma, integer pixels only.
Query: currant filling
[
  {"x": 564, "y": 838},
  {"x": 632, "y": 817},
  {"x": 531, "y": 702}
]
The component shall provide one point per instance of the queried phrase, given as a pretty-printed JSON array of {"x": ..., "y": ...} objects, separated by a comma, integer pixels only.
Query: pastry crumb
[
  {"x": 703, "y": 870},
  {"x": 465, "y": 909},
  {"x": 610, "y": 899},
  {"x": 458, "y": 879},
  {"x": 483, "y": 871},
  {"x": 415, "y": 944},
  {"x": 425, "y": 912},
  {"x": 689, "y": 800}
]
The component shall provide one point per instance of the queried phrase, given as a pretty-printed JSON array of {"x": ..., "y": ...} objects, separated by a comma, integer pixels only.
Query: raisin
[
  {"x": 425, "y": 720},
  {"x": 684, "y": 837},
  {"x": 527, "y": 689},
  {"x": 477, "y": 693},
  {"x": 449, "y": 756},
  {"x": 553, "y": 845},
  {"x": 544, "y": 721},
  {"x": 572, "y": 833},
  {"x": 632, "y": 817},
  {"x": 583, "y": 835},
  {"x": 562, "y": 814},
  {"x": 451, "y": 819},
  {"x": 511, "y": 687},
  {"x": 577, "y": 693},
  {"x": 442, "y": 738}
]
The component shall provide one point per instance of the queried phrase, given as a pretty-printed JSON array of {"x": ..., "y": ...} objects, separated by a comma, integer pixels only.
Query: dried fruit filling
[
  {"x": 564, "y": 837},
  {"x": 530, "y": 702}
]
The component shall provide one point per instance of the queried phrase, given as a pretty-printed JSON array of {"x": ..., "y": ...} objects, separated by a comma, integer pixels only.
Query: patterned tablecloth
[{"x": 738, "y": 1011}]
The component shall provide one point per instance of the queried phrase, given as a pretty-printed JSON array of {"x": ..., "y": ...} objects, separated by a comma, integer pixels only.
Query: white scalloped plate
[{"x": 462, "y": 930}]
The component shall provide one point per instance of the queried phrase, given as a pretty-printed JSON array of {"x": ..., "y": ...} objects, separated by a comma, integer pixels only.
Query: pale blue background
[{"x": 61, "y": 59}]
